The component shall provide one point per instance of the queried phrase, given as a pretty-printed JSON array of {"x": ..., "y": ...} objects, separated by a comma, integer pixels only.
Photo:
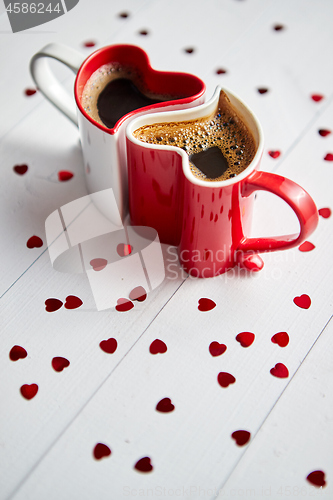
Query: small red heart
[
  {"x": 98, "y": 264},
  {"x": 217, "y": 349},
  {"x": 317, "y": 478},
  {"x": 20, "y": 169},
  {"x": 165, "y": 405},
  {"x": 29, "y": 92},
  {"x": 109, "y": 346},
  {"x": 241, "y": 437},
  {"x": 325, "y": 212},
  {"x": 138, "y": 293},
  {"x": 245, "y": 338},
  {"x": 59, "y": 363},
  {"x": 17, "y": 352},
  {"x": 158, "y": 347},
  {"x": 303, "y": 301},
  {"x": 329, "y": 157},
  {"x": 221, "y": 71},
  {"x": 65, "y": 175},
  {"x": 317, "y": 97},
  {"x": 52, "y": 305},
  {"x": 324, "y": 132},
  {"x": 262, "y": 90},
  {"x": 281, "y": 339},
  {"x": 29, "y": 391},
  {"x": 144, "y": 465},
  {"x": 124, "y": 305},
  {"x": 274, "y": 154},
  {"x": 205, "y": 304},
  {"x": 89, "y": 43},
  {"x": 73, "y": 302},
  {"x": 278, "y": 27},
  {"x": 101, "y": 450},
  {"x": 225, "y": 379},
  {"x": 280, "y": 371},
  {"x": 189, "y": 50},
  {"x": 34, "y": 242},
  {"x": 123, "y": 249},
  {"x": 307, "y": 246}
]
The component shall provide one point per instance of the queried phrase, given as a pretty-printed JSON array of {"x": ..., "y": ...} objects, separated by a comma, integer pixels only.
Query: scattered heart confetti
[
  {"x": 225, "y": 379},
  {"x": 317, "y": 97},
  {"x": 138, "y": 293},
  {"x": 303, "y": 301},
  {"x": 52, "y": 305},
  {"x": 324, "y": 132},
  {"x": 262, "y": 90},
  {"x": 325, "y": 212},
  {"x": 89, "y": 43},
  {"x": 317, "y": 478},
  {"x": 30, "y": 92},
  {"x": 189, "y": 50},
  {"x": 144, "y": 465},
  {"x": 241, "y": 437},
  {"x": 165, "y": 405},
  {"x": 109, "y": 346},
  {"x": 245, "y": 338},
  {"x": 278, "y": 27},
  {"x": 124, "y": 15},
  {"x": 59, "y": 363},
  {"x": 64, "y": 175},
  {"x": 20, "y": 169},
  {"x": 274, "y": 154},
  {"x": 17, "y": 352},
  {"x": 280, "y": 371},
  {"x": 73, "y": 302},
  {"x": 124, "y": 305},
  {"x": 329, "y": 157},
  {"x": 34, "y": 242},
  {"x": 205, "y": 304},
  {"x": 123, "y": 249},
  {"x": 143, "y": 32},
  {"x": 29, "y": 391},
  {"x": 98, "y": 264},
  {"x": 217, "y": 349},
  {"x": 281, "y": 339},
  {"x": 221, "y": 71},
  {"x": 307, "y": 246},
  {"x": 158, "y": 347},
  {"x": 101, "y": 450}
]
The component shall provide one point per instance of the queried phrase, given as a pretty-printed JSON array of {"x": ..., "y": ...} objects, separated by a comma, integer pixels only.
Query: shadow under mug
[
  {"x": 207, "y": 221},
  {"x": 104, "y": 149}
]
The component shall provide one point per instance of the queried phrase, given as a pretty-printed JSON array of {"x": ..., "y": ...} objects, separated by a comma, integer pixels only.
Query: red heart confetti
[
  {"x": 52, "y": 305},
  {"x": 124, "y": 15},
  {"x": 29, "y": 391},
  {"x": 109, "y": 346},
  {"x": 274, "y": 154},
  {"x": 225, "y": 379},
  {"x": 124, "y": 305},
  {"x": 165, "y": 405},
  {"x": 17, "y": 352},
  {"x": 123, "y": 249},
  {"x": 324, "y": 132},
  {"x": 241, "y": 437},
  {"x": 98, "y": 264},
  {"x": 65, "y": 175},
  {"x": 189, "y": 50},
  {"x": 317, "y": 97},
  {"x": 101, "y": 450},
  {"x": 325, "y": 212},
  {"x": 278, "y": 27},
  {"x": 73, "y": 302},
  {"x": 143, "y": 32},
  {"x": 329, "y": 157},
  {"x": 217, "y": 349},
  {"x": 59, "y": 363},
  {"x": 317, "y": 478},
  {"x": 307, "y": 246},
  {"x": 281, "y": 339},
  {"x": 303, "y": 301},
  {"x": 262, "y": 90},
  {"x": 205, "y": 304},
  {"x": 245, "y": 338},
  {"x": 280, "y": 371},
  {"x": 30, "y": 92},
  {"x": 144, "y": 465},
  {"x": 34, "y": 242},
  {"x": 138, "y": 293},
  {"x": 158, "y": 347},
  {"x": 20, "y": 169},
  {"x": 221, "y": 71},
  {"x": 89, "y": 43}
]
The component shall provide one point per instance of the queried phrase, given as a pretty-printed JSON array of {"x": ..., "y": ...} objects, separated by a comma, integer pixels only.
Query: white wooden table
[{"x": 47, "y": 442}]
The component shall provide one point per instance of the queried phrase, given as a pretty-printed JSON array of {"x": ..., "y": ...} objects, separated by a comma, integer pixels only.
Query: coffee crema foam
[{"x": 223, "y": 129}]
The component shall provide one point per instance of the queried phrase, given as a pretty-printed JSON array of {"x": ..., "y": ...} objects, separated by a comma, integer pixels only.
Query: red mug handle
[{"x": 296, "y": 197}]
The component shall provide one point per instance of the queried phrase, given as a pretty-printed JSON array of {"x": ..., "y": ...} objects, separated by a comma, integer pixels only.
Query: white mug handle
[{"x": 48, "y": 84}]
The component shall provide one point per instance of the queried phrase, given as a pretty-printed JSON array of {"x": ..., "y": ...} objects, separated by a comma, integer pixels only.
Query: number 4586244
[{"x": 32, "y": 8}]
